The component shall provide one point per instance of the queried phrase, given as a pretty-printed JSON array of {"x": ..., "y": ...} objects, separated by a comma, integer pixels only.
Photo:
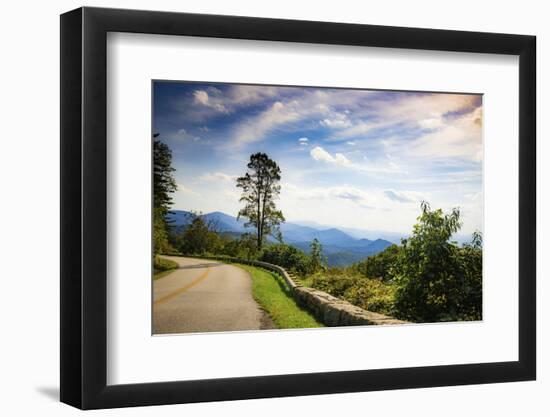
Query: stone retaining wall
[
  {"x": 330, "y": 310},
  {"x": 333, "y": 311}
]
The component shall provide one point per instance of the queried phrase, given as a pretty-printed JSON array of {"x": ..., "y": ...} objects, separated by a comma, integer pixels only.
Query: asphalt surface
[{"x": 205, "y": 296}]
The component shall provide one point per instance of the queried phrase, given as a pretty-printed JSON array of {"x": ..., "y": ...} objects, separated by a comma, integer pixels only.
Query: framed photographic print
[{"x": 257, "y": 208}]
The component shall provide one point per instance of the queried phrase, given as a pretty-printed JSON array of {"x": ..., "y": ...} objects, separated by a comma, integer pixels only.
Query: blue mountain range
[{"x": 340, "y": 248}]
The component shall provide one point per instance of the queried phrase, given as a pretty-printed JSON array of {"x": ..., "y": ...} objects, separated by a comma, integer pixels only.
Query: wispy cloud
[
  {"x": 181, "y": 188},
  {"x": 458, "y": 138},
  {"x": 217, "y": 176},
  {"x": 336, "y": 121},
  {"x": 211, "y": 100},
  {"x": 255, "y": 128},
  {"x": 183, "y": 135},
  {"x": 404, "y": 196},
  {"x": 340, "y": 160}
]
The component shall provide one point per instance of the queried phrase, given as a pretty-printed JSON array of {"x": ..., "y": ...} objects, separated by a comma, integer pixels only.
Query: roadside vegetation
[
  {"x": 163, "y": 267},
  {"x": 272, "y": 293},
  {"x": 370, "y": 294}
]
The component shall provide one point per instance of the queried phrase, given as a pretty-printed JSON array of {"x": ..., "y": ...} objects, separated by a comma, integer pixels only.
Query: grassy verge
[
  {"x": 274, "y": 296},
  {"x": 163, "y": 267}
]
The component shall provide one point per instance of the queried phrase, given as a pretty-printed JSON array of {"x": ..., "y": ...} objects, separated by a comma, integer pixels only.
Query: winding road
[{"x": 205, "y": 296}]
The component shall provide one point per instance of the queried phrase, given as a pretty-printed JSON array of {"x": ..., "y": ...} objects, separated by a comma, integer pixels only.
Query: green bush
[
  {"x": 243, "y": 248},
  {"x": 370, "y": 294},
  {"x": 289, "y": 257},
  {"x": 379, "y": 265},
  {"x": 437, "y": 280},
  {"x": 198, "y": 238}
]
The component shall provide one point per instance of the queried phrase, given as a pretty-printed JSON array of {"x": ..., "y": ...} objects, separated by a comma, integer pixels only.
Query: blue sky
[{"x": 360, "y": 159}]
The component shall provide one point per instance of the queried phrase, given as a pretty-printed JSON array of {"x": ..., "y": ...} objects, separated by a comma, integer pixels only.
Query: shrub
[
  {"x": 198, "y": 237},
  {"x": 288, "y": 257},
  {"x": 370, "y": 294},
  {"x": 244, "y": 247},
  {"x": 438, "y": 280},
  {"x": 379, "y": 265}
]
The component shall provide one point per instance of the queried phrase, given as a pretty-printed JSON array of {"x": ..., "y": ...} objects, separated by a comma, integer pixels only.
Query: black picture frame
[{"x": 84, "y": 207}]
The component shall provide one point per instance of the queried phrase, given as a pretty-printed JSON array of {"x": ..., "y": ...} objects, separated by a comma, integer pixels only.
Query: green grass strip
[{"x": 275, "y": 297}]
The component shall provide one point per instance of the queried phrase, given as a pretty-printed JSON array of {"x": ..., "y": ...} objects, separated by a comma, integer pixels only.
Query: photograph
[{"x": 297, "y": 207}]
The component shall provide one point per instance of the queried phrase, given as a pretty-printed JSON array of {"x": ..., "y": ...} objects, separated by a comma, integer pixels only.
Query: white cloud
[
  {"x": 431, "y": 107},
  {"x": 255, "y": 128},
  {"x": 184, "y": 189},
  {"x": 215, "y": 102},
  {"x": 340, "y": 160},
  {"x": 240, "y": 95},
  {"x": 433, "y": 123},
  {"x": 459, "y": 138},
  {"x": 357, "y": 129},
  {"x": 184, "y": 135},
  {"x": 426, "y": 111},
  {"x": 212, "y": 101},
  {"x": 319, "y": 154},
  {"x": 201, "y": 97},
  {"x": 404, "y": 196},
  {"x": 296, "y": 105},
  {"x": 352, "y": 194},
  {"x": 303, "y": 141},
  {"x": 337, "y": 121},
  {"x": 217, "y": 176},
  {"x": 347, "y": 193}
]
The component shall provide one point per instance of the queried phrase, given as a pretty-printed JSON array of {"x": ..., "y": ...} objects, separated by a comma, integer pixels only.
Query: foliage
[
  {"x": 379, "y": 266},
  {"x": 200, "y": 237},
  {"x": 260, "y": 187},
  {"x": 317, "y": 261},
  {"x": 160, "y": 233},
  {"x": 273, "y": 295},
  {"x": 289, "y": 257},
  {"x": 164, "y": 185},
  {"x": 243, "y": 247},
  {"x": 437, "y": 280},
  {"x": 370, "y": 294},
  {"x": 163, "y": 179}
]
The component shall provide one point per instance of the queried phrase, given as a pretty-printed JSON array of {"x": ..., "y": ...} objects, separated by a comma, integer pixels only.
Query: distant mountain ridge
[{"x": 339, "y": 247}]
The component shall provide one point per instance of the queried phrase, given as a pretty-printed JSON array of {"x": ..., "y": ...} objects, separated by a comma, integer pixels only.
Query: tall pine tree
[
  {"x": 164, "y": 185},
  {"x": 260, "y": 188}
]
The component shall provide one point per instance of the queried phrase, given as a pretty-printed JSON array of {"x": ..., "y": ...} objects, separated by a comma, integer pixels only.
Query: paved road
[{"x": 205, "y": 296}]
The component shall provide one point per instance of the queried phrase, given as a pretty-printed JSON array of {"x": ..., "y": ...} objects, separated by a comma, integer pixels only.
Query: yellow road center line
[{"x": 202, "y": 277}]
